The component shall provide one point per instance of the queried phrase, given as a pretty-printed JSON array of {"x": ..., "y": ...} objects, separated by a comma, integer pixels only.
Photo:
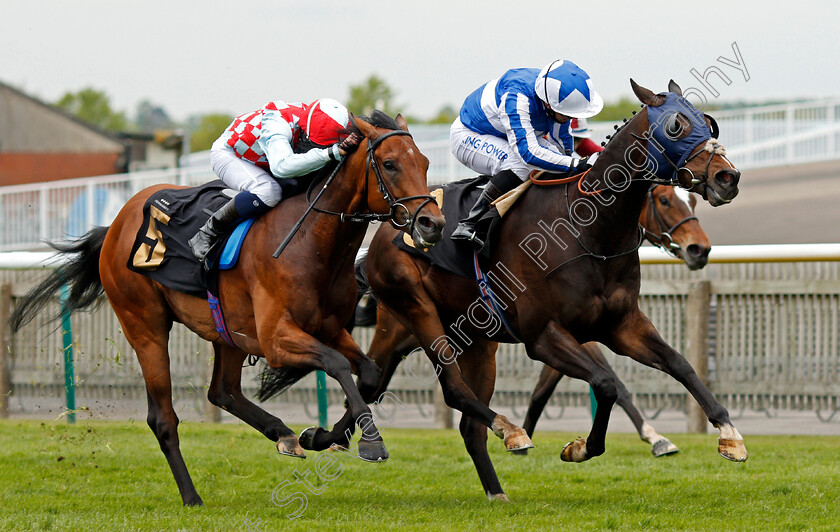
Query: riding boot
[
  {"x": 499, "y": 184},
  {"x": 213, "y": 229}
]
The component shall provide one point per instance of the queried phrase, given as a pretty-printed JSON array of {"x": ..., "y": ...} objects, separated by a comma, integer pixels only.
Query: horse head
[
  {"x": 683, "y": 146},
  {"x": 395, "y": 178},
  {"x": 669, "y": 222}
]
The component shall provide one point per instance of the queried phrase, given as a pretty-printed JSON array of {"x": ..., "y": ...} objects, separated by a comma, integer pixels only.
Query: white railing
[
  {"x": 58, "y": 210},
  {"x": 773, "y": 341},
  {"x": 754, "y": 136},
  {"x": 785, "y": 134}
]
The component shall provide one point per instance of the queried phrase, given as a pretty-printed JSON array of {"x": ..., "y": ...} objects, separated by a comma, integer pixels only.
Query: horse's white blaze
[{"x": 684, "y": 195}]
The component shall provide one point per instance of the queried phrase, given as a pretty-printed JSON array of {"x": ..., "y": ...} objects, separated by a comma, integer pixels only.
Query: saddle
[
  {"x": 171, "y": 217},
  {"x": 455, "y": 201}
]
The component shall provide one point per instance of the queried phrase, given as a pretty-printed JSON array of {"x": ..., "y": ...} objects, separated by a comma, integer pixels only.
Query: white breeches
[{"x": 239, "y": 174}]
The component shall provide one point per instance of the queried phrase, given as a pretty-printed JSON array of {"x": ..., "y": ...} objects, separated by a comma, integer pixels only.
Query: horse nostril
[
  {"x": 727, "y": 178},
  {"x": 425, "y": 222},
  {"x": 697, "y": 252}
]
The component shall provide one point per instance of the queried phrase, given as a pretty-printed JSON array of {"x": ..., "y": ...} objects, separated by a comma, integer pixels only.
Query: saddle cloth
[{"x": 171, "y": 217}]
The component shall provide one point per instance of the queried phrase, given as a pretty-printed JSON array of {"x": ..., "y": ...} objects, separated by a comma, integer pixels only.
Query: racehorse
[
  {"x": 667, "y": 221},
  {"x": 567, "y": 272},
  {"x": 291, "y": 310}
]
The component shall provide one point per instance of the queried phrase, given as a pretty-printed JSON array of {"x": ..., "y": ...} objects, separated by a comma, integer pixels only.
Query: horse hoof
[
  {"x": 733, "y": 450},
  {"x": 574, "y": 451},
  {"x": 520, "y": 452},
  {"x": 194, "y": 501},
  {"x": 501, "y": 497},
  {"x": 290, "y": 446},
  {"x": 307, "y": 438},
  {"x": 372, "y": 451},
  {"x": 518, "y": 441},
  {"x": 664, "y": 447}
]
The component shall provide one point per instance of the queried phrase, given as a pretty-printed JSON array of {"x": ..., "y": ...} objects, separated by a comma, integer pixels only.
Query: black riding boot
[
  {"x": 499, "y": 184},
  {"x": 212, "y": 230}
]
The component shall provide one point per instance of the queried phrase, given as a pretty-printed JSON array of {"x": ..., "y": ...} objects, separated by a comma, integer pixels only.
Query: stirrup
[{"x": 471, "y": 237}]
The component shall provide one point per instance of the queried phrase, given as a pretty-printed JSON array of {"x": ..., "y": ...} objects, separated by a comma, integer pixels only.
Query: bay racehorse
[
  {"x": 568, "y": 272},
  {"x": 290, "y": 310},
  {"x": 667, "y": 221}
]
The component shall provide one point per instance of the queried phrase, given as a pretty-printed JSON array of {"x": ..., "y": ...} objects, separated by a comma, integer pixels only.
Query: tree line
[{"x": 94, "y": 106}]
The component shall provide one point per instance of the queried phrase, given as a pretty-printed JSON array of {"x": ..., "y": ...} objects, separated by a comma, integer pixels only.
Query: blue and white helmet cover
[{"x": 567, "y": 89}]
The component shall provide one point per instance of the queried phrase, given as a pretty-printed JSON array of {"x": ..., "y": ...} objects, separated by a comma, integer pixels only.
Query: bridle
[
  {"x": 664, "y": 234},
  {"x": 394, "y": 203}
]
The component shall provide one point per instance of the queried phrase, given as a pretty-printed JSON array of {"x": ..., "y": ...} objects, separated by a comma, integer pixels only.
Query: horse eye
[
  {"x": 672, "y": 127},
  {"x": 664, "y": 201},
  {"x": 390, "y": 166}
]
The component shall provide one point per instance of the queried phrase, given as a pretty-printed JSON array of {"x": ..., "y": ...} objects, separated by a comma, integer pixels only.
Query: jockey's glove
[{"x": 350, "y": 143}]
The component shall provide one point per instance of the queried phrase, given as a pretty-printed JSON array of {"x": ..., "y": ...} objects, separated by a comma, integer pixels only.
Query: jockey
[
  {"x": 582, "y": 136},
  {"x": 501, "y": 128},
  {"x": 281, "y": 140}
]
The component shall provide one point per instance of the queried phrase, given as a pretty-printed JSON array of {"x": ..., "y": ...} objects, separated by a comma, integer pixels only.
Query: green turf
[{"x": 106, "y": 476}]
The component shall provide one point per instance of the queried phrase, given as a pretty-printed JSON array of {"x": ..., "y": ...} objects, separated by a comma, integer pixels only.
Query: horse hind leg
[
  {"x": 660, "y": 445},
  {"x": 153, "y": 356},
  {"x": 225, "y": 391},
  {"x": 478, "y": 367}
]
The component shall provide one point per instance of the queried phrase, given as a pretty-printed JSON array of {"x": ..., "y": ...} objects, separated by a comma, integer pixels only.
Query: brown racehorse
[
  {"x": 290, "y": 310},
  {"x": 668, "y": 221},
  {"x": 568, "y": 273}
]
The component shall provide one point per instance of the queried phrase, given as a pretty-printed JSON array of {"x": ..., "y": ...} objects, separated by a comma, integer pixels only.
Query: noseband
[
  {"x": 393, "y": 202},
  {"x": 659, "y": 240}
]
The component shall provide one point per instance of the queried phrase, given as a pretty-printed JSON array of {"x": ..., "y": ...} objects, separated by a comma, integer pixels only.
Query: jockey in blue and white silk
[{"x": 518, "y": 123}]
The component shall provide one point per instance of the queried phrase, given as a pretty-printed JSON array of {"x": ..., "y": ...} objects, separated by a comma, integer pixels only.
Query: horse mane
[{"x": 378, "y": 119}]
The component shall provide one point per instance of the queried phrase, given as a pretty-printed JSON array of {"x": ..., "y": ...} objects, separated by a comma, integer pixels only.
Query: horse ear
[
  {"x": 673, "y": 87},
  {"x": 366, "y": 129},
  {"x": 646, "y": 96},
  {"x": 401, "y": 122}
]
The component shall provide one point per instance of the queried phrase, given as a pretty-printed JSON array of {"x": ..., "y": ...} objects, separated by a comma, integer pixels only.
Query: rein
[{"x": 393, "y": 201}]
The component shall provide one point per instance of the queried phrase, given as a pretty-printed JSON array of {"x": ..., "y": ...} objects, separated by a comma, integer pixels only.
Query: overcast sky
[{"x": 195, "y": 57}]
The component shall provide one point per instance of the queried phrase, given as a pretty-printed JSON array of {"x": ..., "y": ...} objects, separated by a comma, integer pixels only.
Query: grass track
[{"x": 111, "y": 475}]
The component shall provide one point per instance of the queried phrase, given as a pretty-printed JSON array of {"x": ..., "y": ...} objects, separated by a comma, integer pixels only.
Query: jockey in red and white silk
[
  {"x": 272, "y": 137},
  {"x": 278, "y": 141},
  {"x": 582, "y": 135}
]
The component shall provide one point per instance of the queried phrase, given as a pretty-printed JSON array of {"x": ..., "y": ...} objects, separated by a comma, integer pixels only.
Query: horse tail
[
  {"x": 274, "y": 381},
  {"x": 80, "y": 271}
]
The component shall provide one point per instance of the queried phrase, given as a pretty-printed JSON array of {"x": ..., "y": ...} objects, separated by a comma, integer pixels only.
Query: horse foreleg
[
  {"x": 558, "y": 349},
  {"x": 226, "y": 392},
  {"x": 660, "y": 445},
  {"x": 293, "y": 347},
  {"x": 637, "y": 338}
]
